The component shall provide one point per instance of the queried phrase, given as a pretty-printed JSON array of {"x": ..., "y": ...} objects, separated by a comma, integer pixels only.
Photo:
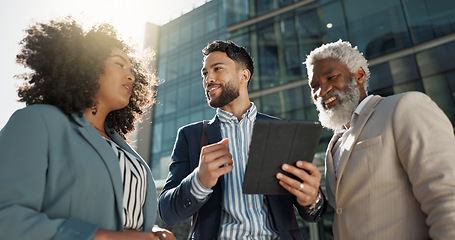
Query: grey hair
[{"x": 343, "y": 51}]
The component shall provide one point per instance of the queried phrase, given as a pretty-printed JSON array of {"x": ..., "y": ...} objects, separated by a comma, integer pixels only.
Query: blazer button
[
  {"x": 339, "y": 211},
  {"x": 188, "y": 203}
]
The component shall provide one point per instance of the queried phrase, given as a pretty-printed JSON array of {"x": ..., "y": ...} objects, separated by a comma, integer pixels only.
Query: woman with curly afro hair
[{"x": 66, "y": 170}]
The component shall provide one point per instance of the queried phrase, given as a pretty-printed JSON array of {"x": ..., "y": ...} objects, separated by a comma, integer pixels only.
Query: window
[
  {"x": 377, "y": 29},
  {"x": 429, "y": 19}
]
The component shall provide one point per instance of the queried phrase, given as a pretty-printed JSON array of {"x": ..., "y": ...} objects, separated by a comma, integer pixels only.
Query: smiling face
[
  {"x": 116, "y": 84},
  {"x": 221, "y": 79},
  {"x": 336, "y": 91}
]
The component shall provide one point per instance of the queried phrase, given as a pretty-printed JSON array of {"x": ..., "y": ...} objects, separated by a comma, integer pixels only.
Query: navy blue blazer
[
  {"x": 176, "y": 203},
  {"x": 59, "y": 179}
]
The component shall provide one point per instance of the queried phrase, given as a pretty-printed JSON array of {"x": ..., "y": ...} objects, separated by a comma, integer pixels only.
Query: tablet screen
[{"x": 274, "y": 143}]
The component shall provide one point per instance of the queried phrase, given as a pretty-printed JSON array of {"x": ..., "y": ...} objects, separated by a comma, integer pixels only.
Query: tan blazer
[{"x": 396, "y": 177}]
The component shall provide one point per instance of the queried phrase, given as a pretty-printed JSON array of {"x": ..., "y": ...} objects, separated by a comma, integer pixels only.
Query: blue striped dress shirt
[{"x": 244, "y": 216}]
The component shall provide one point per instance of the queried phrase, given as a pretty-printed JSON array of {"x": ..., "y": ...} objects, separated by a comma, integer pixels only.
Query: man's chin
[
  {"x": 210, "y": 103},
  {"x": 327, "y": 110},
  {"x": 334, "y": 120},
  {"x": 327, "y": 123},
  {"x": 213, "y": 104}
]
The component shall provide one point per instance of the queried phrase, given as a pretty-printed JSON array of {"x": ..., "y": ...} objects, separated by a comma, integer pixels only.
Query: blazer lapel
[
  {"x": 362, "y": 118},
  {"x": 330, "y": 171},
  {"x": 213, "y": 131},
  {"x": 107, "y": 155}
]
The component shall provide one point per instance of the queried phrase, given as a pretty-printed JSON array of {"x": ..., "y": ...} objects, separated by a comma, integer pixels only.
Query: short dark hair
[
  {"x": 233, "y": 51},
  {"x": 66, "y": 64}
]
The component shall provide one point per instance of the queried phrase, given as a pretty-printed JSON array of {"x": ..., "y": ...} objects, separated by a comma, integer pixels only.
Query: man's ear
[
  {"x": 360, "y": 75},
  {"x": 245, "y": 76}
]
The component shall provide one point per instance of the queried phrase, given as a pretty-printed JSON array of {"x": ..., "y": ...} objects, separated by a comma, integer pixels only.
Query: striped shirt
[
  {"x": 243, "y": 216},
  {"x": 134, "y": 187}
]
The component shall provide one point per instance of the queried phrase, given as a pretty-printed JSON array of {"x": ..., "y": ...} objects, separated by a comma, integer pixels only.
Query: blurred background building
[{"x": 410, "y": 45}]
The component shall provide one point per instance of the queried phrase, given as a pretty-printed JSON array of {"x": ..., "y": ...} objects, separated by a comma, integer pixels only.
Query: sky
[{"x": 127, "y": 16}]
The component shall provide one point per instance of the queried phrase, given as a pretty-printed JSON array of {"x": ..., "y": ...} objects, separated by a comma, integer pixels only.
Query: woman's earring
[{"x": 94, "y": 110}]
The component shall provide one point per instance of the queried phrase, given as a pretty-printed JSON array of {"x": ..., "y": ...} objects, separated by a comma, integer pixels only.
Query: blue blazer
[
  {"x": 59, "y": 179},
  {"x": 176, "y": 203}
]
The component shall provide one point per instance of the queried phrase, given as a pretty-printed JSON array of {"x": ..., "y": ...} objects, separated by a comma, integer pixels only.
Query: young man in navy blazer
[{"x": 209, "y": 180}]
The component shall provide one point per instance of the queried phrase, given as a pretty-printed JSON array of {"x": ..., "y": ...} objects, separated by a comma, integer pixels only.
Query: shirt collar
[
  {"x": 362, "y": 104},
  {"x": 224, "y": 116},
  {"x": 357, "y": 111}
]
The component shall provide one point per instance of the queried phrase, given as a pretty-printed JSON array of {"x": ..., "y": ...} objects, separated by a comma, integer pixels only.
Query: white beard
[{"x": 339, "y": 115}]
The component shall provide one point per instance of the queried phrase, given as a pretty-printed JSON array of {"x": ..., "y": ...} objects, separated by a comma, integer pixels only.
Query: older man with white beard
[{"x": 390, "y": 166}]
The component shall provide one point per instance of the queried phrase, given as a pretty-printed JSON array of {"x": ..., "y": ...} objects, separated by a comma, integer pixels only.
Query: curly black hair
[
  {"x": 233, "y": 51},
  {"x": 66, "y": 64}
]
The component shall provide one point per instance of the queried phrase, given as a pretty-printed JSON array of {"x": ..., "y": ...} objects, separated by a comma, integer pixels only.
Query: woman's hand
[
  {"x": 156, "y": 234},
  {"x": 163, "y": 234}
]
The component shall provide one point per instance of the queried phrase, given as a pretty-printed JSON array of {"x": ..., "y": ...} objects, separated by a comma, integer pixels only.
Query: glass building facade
[
  {"x": 181, "y": 97},
  {"x": 410, "y": 45}
]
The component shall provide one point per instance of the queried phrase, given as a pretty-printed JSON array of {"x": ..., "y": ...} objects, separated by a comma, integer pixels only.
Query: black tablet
[{"x": 274, "y": 143}]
